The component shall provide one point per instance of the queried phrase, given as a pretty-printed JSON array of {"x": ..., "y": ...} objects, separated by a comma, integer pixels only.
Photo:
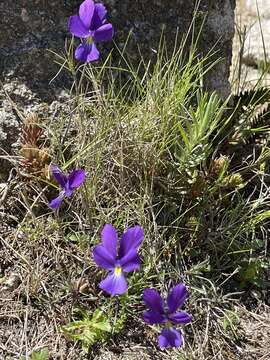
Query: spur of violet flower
[
  {"x": 118, "y": 261},
  {"x": 91, "y": 26},
  {"x": 68, "y": 184},
  {"x": 160, "y": 313}
]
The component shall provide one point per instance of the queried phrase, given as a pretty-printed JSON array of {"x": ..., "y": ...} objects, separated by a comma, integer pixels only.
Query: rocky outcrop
[
  {"x": 29, "y": 28},
  {"x": 252, "y": 41},
  {"x": 147, "y": 19},
  {"x": 257, "y": 42}
]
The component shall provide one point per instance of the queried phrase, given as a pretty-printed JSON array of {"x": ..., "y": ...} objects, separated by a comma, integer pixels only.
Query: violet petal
[
  {"x": 59, "y": 176},
  {"x": 130, "y": 262},
  {"x": 103, "y": 258},
  {"x": 170, "y": 338},
  {"x": 114, "y": 284},
  {"x": 87, "y": 52},
  {"x": 153, "y": 301},
  {"x": 177, "y": 297},
  {"x": 77, "y": 28},
  {"x": 99, "y": 16},
  {"x": 68, "y": 191},
  {"x": 131, "y": 240},
  {"x": 180, "y": 318},
  {"x": 104, "y": 33},
  {"x": 76, "y": 178},
  {"x": 82, "y": 51},
  {"x": 55, "y": 203},
  {"x": 152, "y": 317},
  {"x": 109, "y": 240},
  {"x": 86, "y": 12},
  {"x": 93, "y": 55}
]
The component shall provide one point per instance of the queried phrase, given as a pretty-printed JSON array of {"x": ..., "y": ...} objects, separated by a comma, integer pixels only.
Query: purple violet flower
[
  {"x": 91, "y": 26},
  {"x": 159, "y": 313},
  {"x": 68, "y": 184},
  {"x": 117, "y": 262}
]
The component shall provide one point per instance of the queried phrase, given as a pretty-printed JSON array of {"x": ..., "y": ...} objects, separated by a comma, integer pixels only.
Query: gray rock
[
  {"x": 146, "y": 19},
  {"x": 255, "y": 16},
  {"x": 28, "y": 28},
  {"x": 257, "y": 7},
  {"x": 257, "y": 44}
]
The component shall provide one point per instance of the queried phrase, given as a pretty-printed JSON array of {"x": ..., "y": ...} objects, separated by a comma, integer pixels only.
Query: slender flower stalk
[
  {"x": 91, "y": 27},
  {"x": 117, "y": 262},
  {"x": 167, "y": 314},
  {"x": 68, "y": 184}
]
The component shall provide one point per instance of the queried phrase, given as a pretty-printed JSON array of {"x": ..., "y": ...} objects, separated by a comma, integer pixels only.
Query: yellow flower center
[
  {"x": 117, "y": 270},
  {"x": 90, "y": 40},
  {"x": 168, "y": 324}
]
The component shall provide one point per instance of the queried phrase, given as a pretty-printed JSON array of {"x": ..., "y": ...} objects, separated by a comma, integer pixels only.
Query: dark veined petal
[
  {"x": 130, "y": 240},
  {"x": 76, "y": 178},
  {"x": 177, "y": 297},
  {"x": 180, "y": 318},
  {"x": 99, "y": 16},
  {"x": 103, "y": 258},
  {"x": 153, "y": 301},
  {"x": 109, "y": 240},
  {"x": 55, "y": 203},
  {"x": 87, "y": 53},
  {"x": 59, "y": 176},
  {"x": 131, "y": 261},
  {"x": 86, "y": 12},
  {"x": 152, "y": 317},
  {"x": 77, "y": 28},
  {"x": 104, "y": 33},
  {"x": 170, "y": 338},
  {"x": 114, "y": 284}
]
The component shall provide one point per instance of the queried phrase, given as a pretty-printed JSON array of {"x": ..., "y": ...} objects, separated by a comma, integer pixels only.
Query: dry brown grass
[{"x": 41, "y": 277}]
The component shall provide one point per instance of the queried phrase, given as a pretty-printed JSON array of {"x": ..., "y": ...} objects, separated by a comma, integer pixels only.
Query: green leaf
[
  {"x": 42, "y": 354},
  {"x": 100, "y": 322},
  {"x": 230, "y": 322},
  {"x": 88, "y": 330},
  {"x": 250, "y": 272}
]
